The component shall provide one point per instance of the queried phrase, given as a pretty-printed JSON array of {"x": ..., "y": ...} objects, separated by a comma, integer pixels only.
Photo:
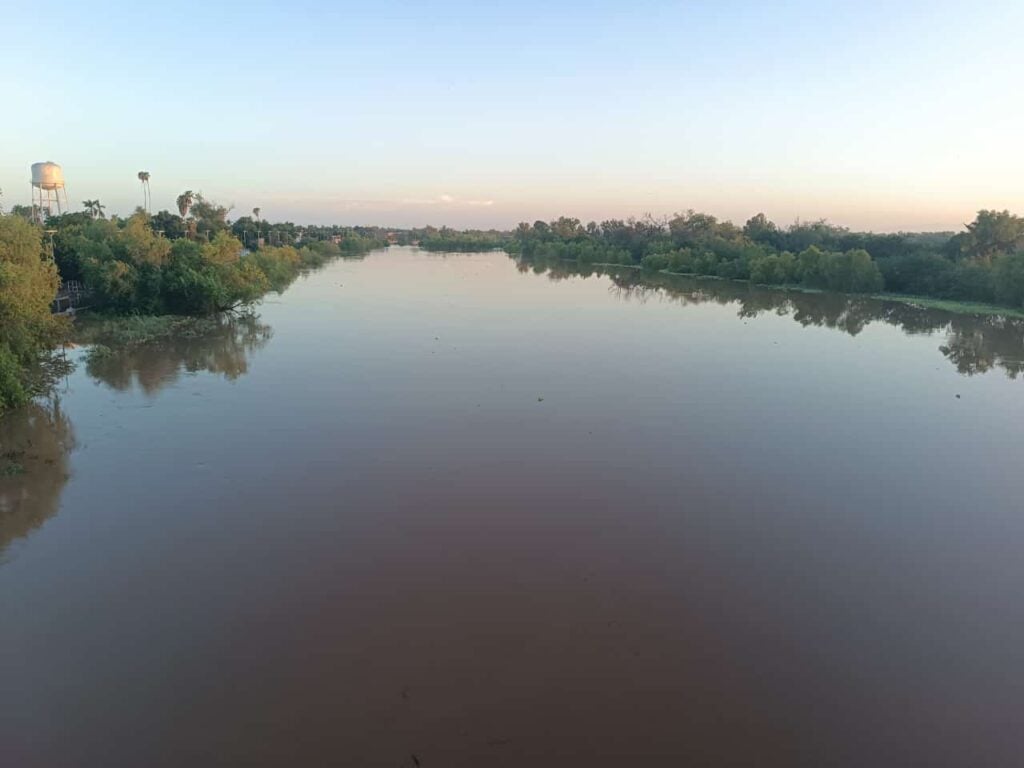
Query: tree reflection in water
[
  {"x": 223, "y": 349},
  {"x": 36, "y": 440},
  {"x": 975, "y": 344},
  {"x": 34, "y": 445}
]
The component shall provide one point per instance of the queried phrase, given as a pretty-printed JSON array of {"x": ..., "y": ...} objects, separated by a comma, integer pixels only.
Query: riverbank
[
  {"x": 949, "y": 305},
  {"x": 922, "y": 302}
]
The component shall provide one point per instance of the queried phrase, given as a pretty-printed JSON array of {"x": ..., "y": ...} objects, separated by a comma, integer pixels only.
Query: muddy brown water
[{"x": 455, "y": 511}]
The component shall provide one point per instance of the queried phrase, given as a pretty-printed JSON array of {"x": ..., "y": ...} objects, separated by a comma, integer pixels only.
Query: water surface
[{"x": 483, "y": 513}]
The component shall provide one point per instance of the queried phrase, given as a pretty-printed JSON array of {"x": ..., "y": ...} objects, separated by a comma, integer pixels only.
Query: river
[{"x": 451, "y": 510}]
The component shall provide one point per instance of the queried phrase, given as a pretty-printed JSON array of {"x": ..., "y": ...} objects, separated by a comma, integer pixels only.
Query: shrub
[
  {"x": 774, "y": 269},
  {"x": 1009, "y": 279},
  {"x": 12, "y": 387},
  {"x": 658, "y": 261}
]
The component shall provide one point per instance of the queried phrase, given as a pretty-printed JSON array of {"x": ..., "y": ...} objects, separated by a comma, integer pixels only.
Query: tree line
[
  {"x": 984, "y": 263},
  {"x": 195, "y": 262},
  {"x": 465, "y": 241},
  {"x": 191, "y": 264}
]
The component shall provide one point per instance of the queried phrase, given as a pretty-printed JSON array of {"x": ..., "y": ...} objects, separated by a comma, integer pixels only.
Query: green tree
[
  {"x": 94, "y": 208},
  {"x": 567, "y": 228},
  {"x": 244, "y": 228},
  {"x": 28, "y": 284},
  {"x": 1009, "y": 279},
  {"x": 184, "y": 202},
  {"x": 851, "y": 272},
  {"x": 774, "y": 269},
  {"x": 810, "y": 266},
  {"x": 760, "y": 229},
  {"x": 208, "y": 218},
  {"x": 142, "y": 245},
  {"x": 691, "y": 228},
  {"x": 991, "y": 234},
  {"x": 167, "y": 224}
]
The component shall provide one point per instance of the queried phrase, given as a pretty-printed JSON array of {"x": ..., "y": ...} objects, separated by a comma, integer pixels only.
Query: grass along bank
[
  {"x": 924, "y": 302},
  {"x": 950, "y": 305}
]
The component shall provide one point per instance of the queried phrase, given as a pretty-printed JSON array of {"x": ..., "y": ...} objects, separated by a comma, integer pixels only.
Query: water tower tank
[{"x": 47, "y": 176}]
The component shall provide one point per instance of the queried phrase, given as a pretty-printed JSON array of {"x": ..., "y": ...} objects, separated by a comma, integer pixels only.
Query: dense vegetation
[
  {"x": 193, "y": 263},
  {"x": 985, "y": 263},
  {"x": 28, "y": 282},
  {"x": 131, "y": 269},
  {"x": 466, "y": 241},
  {"x": 350, "y": 240}
]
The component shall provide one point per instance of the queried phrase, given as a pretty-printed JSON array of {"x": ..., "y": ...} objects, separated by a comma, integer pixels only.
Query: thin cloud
[
  {"x": 447, "y": 200},
  {"x": 444, "y": 200}
]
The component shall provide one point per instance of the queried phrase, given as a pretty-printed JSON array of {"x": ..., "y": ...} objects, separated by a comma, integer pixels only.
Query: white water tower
[{"x": 48, "y": 190}]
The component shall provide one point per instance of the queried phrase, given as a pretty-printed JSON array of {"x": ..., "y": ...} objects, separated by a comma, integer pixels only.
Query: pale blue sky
[{"x": 879, "y": 115}]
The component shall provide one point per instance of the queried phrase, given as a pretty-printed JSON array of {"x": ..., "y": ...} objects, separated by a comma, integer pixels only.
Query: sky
[{"x": 880, "y": 116}]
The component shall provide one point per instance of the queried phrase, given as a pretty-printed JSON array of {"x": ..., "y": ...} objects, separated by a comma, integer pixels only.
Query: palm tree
[
  {"x": 147, "y": 197},
  {"x": 184, "y": 201},
  {"x": 94, "y": 208},
  {"x": 256, "y": 213}
]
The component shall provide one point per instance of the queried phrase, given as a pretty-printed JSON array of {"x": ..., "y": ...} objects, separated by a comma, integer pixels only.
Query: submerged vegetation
[
  {"x": 104, "y": 333},
  {"x": 221, "y": 344}
]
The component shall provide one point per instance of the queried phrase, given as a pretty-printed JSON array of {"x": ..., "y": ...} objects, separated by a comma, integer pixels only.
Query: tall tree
[
  {"x": 992, "y": 233},
  {"x": 147, "y": 197},
  {"x": 94, "y": 208},
  {"x": 207, "y": 218},
  {"x": 761, "y": 229},
  {"x": 184, "y": 201},
  {"x": 256, "y": 213}
]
